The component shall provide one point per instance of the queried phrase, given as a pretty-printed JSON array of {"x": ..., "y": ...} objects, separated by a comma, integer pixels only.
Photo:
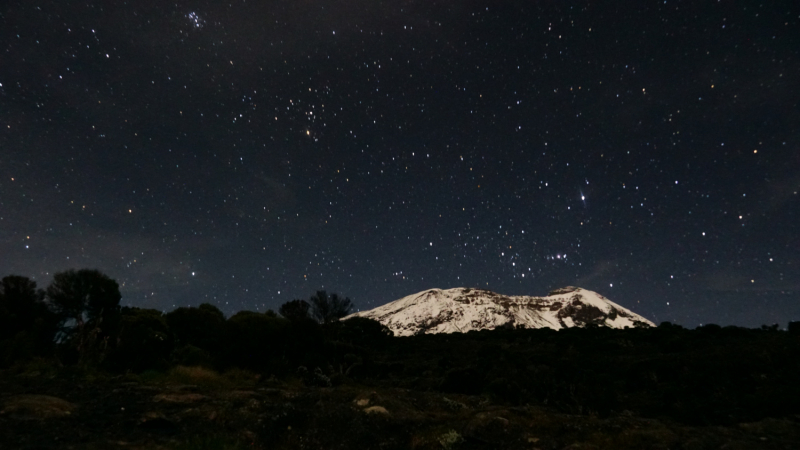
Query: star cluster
[{"x": 248, "y": 153}]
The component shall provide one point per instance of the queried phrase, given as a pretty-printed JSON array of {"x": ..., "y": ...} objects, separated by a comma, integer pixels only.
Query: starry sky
[{"x": 247, "y": 153}]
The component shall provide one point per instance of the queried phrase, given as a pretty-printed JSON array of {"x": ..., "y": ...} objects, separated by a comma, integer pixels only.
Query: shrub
[
  {"x": 329, "y": 308},
  {"x": 21, "y": 304},
  {"x": 27, "y": 327},
  {"x": 189, "y": 355},
  {"x": 463, "y": 381},
  {"x": 202, "y": 327},
  {"x": 144, "y": 341},
  {"x": 254, "y": 340},
  {"x": 295, "y": 310},
  {"x": 84, "y": 296},
  {"x": 360, "y": 331}
]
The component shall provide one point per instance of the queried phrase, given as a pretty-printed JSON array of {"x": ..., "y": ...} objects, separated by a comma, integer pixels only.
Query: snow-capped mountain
[{"x": 465, "y": 309}]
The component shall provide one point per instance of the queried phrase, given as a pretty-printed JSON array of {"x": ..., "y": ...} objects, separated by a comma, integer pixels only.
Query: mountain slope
[{"x": 465, "y": 309}]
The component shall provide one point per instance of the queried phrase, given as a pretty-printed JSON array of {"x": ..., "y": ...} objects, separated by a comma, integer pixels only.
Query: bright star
[{"x": 195, "y": 19}]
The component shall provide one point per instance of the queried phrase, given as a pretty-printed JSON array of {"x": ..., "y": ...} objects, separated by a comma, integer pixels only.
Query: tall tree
[
  {"x": 329, "y": 308},
  {"x": 85, "y": 296}
]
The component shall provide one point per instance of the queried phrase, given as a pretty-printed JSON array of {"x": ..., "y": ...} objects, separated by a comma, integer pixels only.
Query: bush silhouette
[
  {"x": 191, "y": 356},
  {"x": 144, "y": 341},
  {"x": 305, "y": 344},
  {"x": 466, "y": 380},
  {"x": 329, "y": 308},
  {"x": 360, "y": 331},
  {"x": 254, "y": 340},
  {"x": 86, "y": 303},
  {"x": 26, "y": 324},
  {"x": 20, "y": 305},
  {"x": 85, "y": 296},
  {"x": 295, "y": 310},
  {"x": 710, "y": 328},
  {"x": 202, "y": 327}
]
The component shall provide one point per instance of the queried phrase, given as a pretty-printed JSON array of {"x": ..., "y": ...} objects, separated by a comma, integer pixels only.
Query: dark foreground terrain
[{"x": 664, "y": 388}]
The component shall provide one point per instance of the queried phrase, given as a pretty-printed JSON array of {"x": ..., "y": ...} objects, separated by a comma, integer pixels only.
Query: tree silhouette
[
  {"x": 360, "y": 331},
  {"x": 202, "y": 327},
  {"x": 329, "y": 308},
  {"x": 295, "y": 310},
  {"x": 85, "y": 296},
  {"x": 255, "y": 340},
  {"x": 212, "y": 310},
  {"x": 20, "y": 305},
  {"x": 144, "y": 341},
  {"x": 26, "y": 325}
]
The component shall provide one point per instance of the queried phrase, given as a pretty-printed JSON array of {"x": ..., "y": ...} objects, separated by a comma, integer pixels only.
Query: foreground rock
[{"x": 37, "y": 407}]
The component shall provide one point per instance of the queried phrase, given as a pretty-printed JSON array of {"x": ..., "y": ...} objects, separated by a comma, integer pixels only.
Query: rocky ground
[{"x": 193, "y": 408}]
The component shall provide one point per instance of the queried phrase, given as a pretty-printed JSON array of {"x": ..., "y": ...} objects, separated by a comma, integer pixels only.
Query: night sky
[{"x": 249, "y": 153}]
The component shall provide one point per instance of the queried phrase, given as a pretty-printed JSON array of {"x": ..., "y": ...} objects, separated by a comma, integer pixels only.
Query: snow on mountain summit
[{"x": 465, "y": 309}]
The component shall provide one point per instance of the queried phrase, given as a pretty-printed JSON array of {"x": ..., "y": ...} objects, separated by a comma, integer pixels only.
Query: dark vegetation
[{"x": 711, "y": 375}]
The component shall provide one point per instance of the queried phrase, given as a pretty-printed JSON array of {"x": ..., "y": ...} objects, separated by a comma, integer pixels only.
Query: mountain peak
[{"x": 464, "y": 309}]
